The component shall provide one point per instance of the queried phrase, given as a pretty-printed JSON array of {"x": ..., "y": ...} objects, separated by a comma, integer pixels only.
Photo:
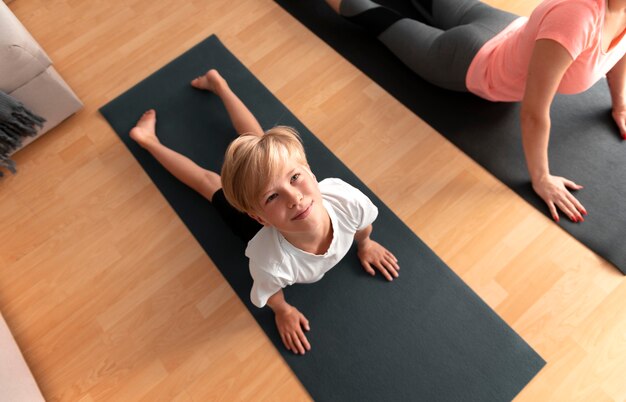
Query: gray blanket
[{"x": 16, "y": 123}]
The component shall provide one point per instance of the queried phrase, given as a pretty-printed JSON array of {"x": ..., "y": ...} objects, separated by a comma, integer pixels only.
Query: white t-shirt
[{"x": 276, "y": 263}]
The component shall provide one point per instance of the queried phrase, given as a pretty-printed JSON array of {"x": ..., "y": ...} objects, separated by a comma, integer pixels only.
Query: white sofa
[
  {"x": 16, "y": 381},
  {"x": 27, "y": 74}
]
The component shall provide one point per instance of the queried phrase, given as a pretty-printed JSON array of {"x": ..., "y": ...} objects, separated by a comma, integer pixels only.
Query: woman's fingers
[
  {"x": 575, "y": 207},
  {"x": 566, "y": 202},
  {"x": 620, "y": 120},
  {"x": 579, "y": 207},
  {"x": 570, "y": 184},
  {"x": 553, "y": 211},
  {"x": 568, "y": 209}
]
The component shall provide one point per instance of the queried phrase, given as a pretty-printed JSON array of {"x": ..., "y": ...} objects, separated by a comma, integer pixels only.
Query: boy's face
[{"x": 292, "y": 202}]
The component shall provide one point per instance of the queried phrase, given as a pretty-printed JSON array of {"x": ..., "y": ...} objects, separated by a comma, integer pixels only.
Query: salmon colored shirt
[{"x": 498, "y": 72}]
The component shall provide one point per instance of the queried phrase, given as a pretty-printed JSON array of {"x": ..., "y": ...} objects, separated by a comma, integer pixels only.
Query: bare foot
[
  {"x": 211, "y": 81},
  {"x": 144, "y": 132}
]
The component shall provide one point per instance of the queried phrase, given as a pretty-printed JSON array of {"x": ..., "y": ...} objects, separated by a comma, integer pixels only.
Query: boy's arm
[
  {"x": 290, "y": 322},
  {"x": 372, "y": 253}
]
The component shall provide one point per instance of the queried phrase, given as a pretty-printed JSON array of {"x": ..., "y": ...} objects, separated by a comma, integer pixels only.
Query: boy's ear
[{"x": 257, "y": 218}]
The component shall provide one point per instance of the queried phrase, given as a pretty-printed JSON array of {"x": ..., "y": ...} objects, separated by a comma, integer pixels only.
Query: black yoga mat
[
  {"x": 585, "y": 144},
  {"x": 426, "y": 336}
]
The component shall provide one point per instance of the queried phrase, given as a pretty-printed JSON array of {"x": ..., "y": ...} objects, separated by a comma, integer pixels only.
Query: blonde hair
[{"x": 252, "y": 161}]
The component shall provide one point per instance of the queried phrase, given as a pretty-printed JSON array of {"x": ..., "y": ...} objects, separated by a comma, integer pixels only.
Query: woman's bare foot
[
  {"x": 211, "y": 81},
  {"x": 144, "y": 133}
]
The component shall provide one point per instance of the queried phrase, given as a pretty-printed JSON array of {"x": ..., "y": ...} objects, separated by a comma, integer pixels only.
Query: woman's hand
[
  {"x": 616, "y": 78},
  {"x": 620, "y": 119},
  {"x": 290, "y": 323},
  {"x": 549, "y": 62},
  {"x": 555, "y": 193},
  {"x": 372, "y": 253}
]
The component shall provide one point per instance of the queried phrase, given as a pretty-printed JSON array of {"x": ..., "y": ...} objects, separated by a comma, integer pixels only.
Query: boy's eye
[
  {"x": 295, "y": 177},
  {"x": 271, "y": 197}
]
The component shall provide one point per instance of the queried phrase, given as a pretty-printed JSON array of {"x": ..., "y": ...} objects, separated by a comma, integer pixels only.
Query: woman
[{"x": 565, "y": 46}]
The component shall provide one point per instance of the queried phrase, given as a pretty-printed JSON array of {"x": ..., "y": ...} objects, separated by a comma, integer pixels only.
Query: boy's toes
[
  {"x": 147, "y": 116},
  {"x": 147, "y": 121},
  {"x": 195, "y": 82},
  {"x": 201, "y": 83},
  {"x": 210, "y": 81}
]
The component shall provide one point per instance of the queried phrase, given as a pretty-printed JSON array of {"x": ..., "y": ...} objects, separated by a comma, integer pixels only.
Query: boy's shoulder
[
  {"x": 340, "y": 193},
  {"x": 333, "y": 186},
  {"x": 349, "y": 203},
  {"x": 264, "y": 249}
]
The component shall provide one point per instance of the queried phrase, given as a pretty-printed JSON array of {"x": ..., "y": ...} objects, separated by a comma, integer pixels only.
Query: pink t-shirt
[{"x": 498, "y": 72}]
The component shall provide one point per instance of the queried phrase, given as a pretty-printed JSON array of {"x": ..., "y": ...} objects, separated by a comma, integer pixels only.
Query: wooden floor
[{"x": 111, "y": 298}]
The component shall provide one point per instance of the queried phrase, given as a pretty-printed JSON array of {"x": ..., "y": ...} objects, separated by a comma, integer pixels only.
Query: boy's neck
[{"x": 316, "y": 242}]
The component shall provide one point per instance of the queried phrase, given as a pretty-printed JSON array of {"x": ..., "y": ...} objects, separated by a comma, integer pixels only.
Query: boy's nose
[{"x": 296, "y": 197}]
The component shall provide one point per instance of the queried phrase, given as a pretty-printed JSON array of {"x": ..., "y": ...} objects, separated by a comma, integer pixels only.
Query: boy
[{"x": 299, "y": 228}]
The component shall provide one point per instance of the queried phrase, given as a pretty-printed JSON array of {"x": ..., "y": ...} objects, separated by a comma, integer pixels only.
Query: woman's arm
[
  {"x": 617, "y": 85},
  {"x": 547, "y": 66}
]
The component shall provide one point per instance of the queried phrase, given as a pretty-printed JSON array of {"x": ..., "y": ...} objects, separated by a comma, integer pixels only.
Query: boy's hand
[
  {"x": 290, "y": 322},
  {"x": 372, "y": 253}
]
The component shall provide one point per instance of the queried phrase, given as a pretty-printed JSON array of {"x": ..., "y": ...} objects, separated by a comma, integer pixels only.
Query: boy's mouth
[{"x": 303, "y": 214}]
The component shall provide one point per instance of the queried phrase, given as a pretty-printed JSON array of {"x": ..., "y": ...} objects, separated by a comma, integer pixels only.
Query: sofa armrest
[
  {"x": 16, "y": 381},
  {"x": 21, "y": 57}
]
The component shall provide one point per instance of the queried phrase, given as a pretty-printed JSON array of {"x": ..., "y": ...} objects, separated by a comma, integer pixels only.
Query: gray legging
[{"x": 441, "y": 52}]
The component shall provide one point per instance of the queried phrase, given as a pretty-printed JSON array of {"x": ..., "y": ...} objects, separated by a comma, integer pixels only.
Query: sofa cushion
[
  {"x": 50, "y": 97},
  {"x": 21, "y": 57}
]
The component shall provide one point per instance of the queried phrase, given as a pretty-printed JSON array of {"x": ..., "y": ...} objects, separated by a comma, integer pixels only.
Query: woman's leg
[
  {"x": 447, "y": 14},
  {"x": 440, "y": 56}
]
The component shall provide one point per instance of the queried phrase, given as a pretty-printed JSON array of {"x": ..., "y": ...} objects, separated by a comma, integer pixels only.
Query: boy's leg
[
  {"x": 243, "y": 120},
  {"x": 184, "y": 169},
  {"x": 204, "y": 181},
  {"x": 241, "y": 224}
]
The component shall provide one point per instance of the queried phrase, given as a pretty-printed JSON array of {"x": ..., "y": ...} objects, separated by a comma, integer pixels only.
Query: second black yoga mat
[
  {"x": 585, "y": 145},
  {"x": 424, "y": 337}
]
